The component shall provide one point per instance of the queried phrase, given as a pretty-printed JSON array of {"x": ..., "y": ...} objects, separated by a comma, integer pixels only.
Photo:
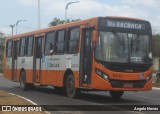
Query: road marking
[{"x": 25, "y": 99}]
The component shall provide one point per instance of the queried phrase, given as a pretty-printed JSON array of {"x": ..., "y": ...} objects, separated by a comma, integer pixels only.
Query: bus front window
[
  {"x": 122, "y": 47},
  {"x": 139, "y": 48}
]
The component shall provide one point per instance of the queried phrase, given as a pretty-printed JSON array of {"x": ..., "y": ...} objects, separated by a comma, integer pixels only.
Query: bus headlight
[
  {"x": 103, "y": 75},
  {"x": 149, "y": 77},
  {"x": 99, "y": 72}
]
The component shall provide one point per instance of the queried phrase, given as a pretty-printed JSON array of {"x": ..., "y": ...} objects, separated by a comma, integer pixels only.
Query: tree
[
  {"x": 156, "y": 45},
  {"x": 57, "y": 21},
  {"x": 2, "y": 42}
]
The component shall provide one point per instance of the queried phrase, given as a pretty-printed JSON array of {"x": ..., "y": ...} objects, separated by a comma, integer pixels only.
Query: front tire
[
  {"x": 116, "y": 94},
  {"x": 71, "y": 91}
]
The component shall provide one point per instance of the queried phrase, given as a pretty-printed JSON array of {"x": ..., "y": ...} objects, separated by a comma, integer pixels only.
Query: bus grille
[
  {"x": 120, "y": 83},
  {"x": 124, "y": 67}
]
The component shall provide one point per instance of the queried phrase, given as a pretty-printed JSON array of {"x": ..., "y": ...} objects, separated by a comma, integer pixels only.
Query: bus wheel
[
  {"x": 116, "y": 94},
  {"x": 23, "y": 83},
  {"x": 71, "y": 91}
]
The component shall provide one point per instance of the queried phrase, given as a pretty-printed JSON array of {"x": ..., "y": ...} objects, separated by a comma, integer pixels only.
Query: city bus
[{"x": 99, "y": 54}]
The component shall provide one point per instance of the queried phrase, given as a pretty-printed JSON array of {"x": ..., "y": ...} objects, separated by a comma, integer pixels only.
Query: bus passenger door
[
  {"x": 86, "y": 57},
  {"x": 37, "y": 63},
  {"x": 14, "y": 60}
]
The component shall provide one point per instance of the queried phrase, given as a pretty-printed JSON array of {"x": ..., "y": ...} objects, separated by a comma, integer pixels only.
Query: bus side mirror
[{"x": 95, "y": 36}]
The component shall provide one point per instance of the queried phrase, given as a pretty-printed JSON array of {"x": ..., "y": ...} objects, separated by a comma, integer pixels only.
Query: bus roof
[
  {"x": 77, "y": 23},
  {"x": 119, "y": 17}
]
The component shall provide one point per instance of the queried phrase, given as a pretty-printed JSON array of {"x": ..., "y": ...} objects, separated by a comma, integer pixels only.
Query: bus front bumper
[{"x": 119, "y": 85}]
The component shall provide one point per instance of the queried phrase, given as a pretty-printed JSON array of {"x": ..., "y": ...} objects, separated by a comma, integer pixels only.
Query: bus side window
[
  {"x": 9, "y": 49},
  {"x": 60, "y": 42},
  {"x": 50, "y": 42},
  {"x": 73, "y": 41},
  {"x": 29, "y": 48},
  {"x": 22, "y": 47}
]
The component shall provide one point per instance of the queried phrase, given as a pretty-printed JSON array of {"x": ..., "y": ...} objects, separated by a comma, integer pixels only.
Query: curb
[
  {"x": 155, "y": 88},
  {"x": 25, "y": 99}
]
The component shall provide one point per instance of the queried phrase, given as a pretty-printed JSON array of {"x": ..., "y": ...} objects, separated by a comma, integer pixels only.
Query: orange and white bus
[{"x": 103, "y": 53}]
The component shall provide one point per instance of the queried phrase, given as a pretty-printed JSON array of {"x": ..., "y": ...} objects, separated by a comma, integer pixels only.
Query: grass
[
  {"x": 1, "y": 69},
  {"x": 157, "y": 84}
]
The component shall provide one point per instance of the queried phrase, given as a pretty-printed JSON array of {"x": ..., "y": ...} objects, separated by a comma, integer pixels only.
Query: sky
[{"x": 13, "y": 10}]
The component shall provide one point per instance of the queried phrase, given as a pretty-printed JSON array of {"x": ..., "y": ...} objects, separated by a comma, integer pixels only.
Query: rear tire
[
  {"x": 71, "y": 91},
  {"x": 24, "y": 86},
  {"x": 30, "y": 86},
  {"x": 116, "y": 94}
]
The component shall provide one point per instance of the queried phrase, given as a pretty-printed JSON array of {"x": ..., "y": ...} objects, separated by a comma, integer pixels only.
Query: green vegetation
[
  {"x": 156, "y": 52},
  {"x": 57, "y": 21},
  {"x": 2, "y": 42},
  {"x": 156, "y": 45},
  {"x": 157, "y": 84}
]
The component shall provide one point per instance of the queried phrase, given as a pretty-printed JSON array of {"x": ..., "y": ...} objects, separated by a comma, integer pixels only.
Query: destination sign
[
  {"x": 124, "y": 24},
  {"x": 127, "y": 25}
]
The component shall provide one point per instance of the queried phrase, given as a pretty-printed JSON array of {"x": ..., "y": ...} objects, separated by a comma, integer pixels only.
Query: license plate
[{"x": 128, "y": 85}]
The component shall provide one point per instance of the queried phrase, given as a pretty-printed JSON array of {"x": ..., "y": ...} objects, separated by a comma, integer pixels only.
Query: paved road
[{"x": 47, "y": 96}]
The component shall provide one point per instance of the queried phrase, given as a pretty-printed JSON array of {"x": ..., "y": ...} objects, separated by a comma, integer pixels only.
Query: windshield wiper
[
  {"x": 122, "y": 42},
  {"x": 118, "y": 37},
  {"x": 134, "y": 44}
]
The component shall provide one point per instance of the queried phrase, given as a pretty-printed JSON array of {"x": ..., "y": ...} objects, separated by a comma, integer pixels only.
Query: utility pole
[
  {"x": 39, "y": 16},
  {"x": 12, "y": 26},
  {"x": 67, "y": 8},
  {"x": 17, "y": 24}
]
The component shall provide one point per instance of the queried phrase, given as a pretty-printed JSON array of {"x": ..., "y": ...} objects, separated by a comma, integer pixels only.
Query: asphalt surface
[{"x": 48, "y": 96}]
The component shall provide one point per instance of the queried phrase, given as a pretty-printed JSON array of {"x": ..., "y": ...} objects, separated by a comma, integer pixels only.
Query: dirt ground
[{"x": 8, "y": 99}]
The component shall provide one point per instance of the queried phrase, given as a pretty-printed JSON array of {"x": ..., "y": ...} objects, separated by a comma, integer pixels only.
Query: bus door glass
[
  {"x": 14, "y": 60},
  {"x": 37, "y": 64},
  {"x": 86, "y": 57}
]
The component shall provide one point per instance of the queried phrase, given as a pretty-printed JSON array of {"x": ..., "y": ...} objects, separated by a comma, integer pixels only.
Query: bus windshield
[{"x": 123, "y": 47}]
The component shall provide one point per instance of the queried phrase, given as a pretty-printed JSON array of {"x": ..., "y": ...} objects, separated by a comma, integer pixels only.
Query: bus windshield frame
[{"x": 132, "y": 30}]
